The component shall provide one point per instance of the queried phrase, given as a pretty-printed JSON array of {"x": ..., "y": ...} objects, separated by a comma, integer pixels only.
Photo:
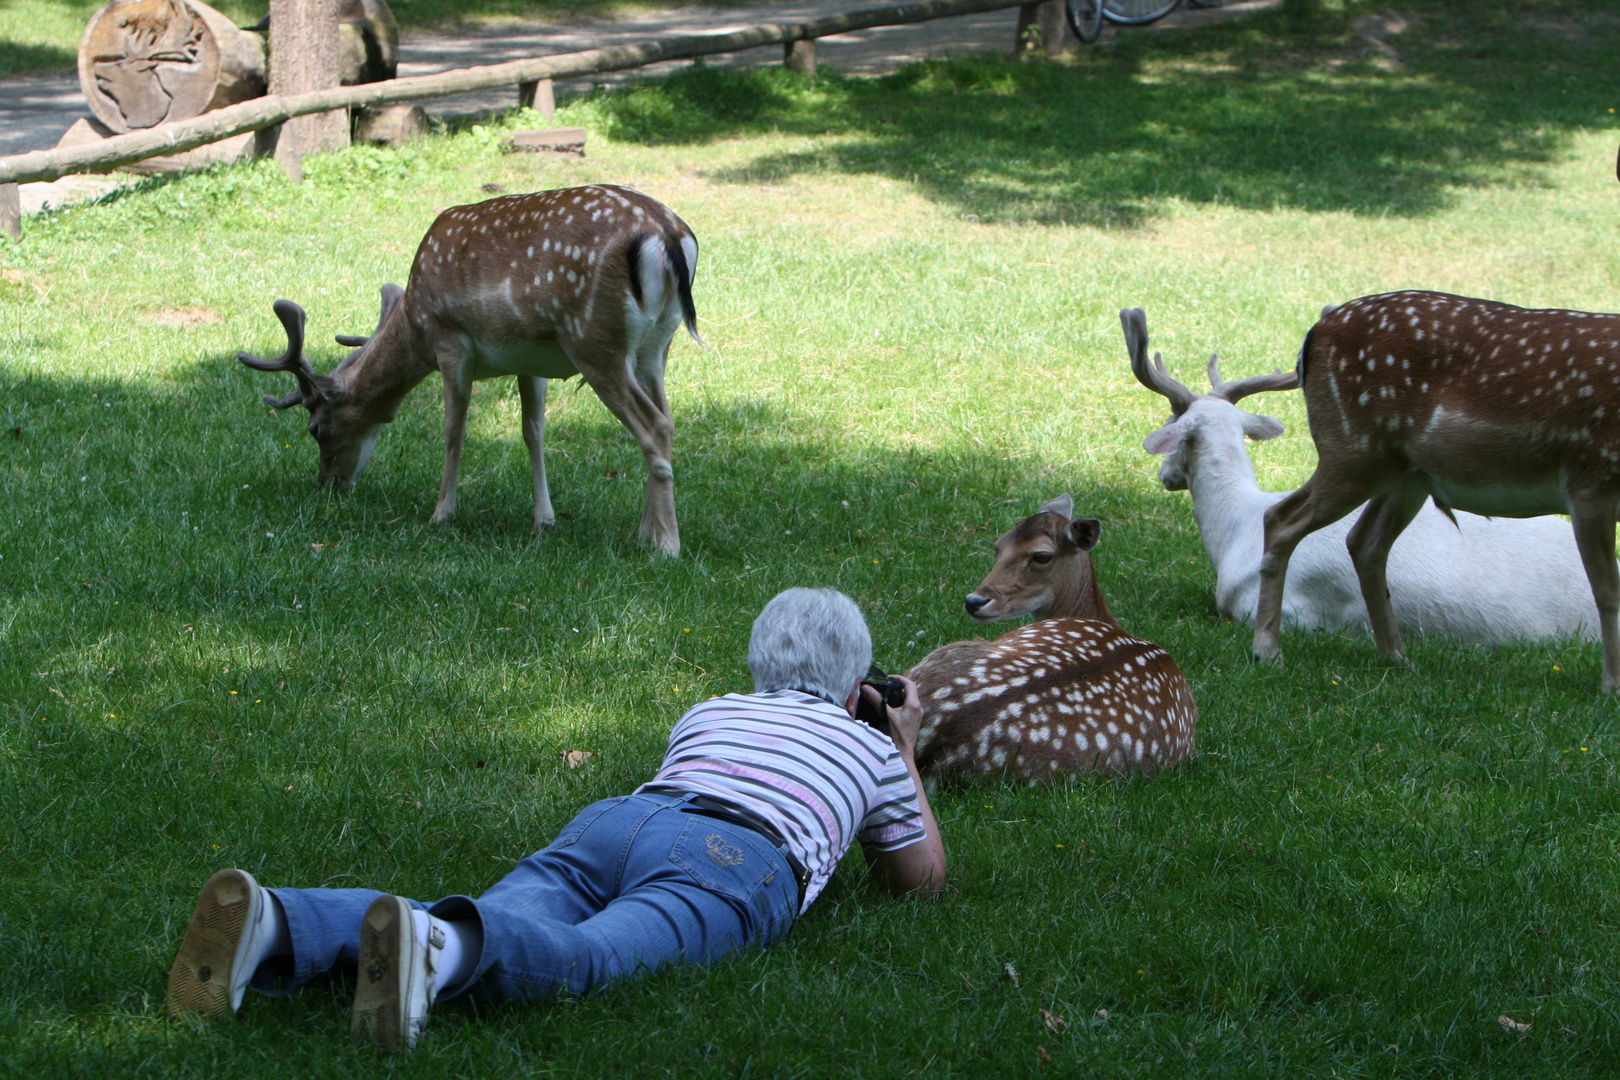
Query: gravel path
[{"x": 35, "y": 112}]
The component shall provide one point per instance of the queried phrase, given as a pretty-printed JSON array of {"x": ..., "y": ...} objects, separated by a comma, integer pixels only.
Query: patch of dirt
[
  {"x": 185, "y": 318},
  {"x": 21, "y": 279}
]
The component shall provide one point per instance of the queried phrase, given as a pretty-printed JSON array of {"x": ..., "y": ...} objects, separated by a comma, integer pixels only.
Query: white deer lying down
[
  {"x": 1480, "y": 580},
  {"x": 591, "y": 281},
  {"x": 1069, "y": 693}
]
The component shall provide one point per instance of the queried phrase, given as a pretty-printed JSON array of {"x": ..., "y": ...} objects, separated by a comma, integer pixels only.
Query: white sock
[
  {"x": 274, "y": 936},
  {"x": 463, "y": 945}
]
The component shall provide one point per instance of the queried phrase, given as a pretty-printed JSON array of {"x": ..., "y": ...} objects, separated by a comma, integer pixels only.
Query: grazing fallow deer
[
  {"x": 1435, "y": 582},
  {"x": 1070, "y": 692},
  {"x": 1478, "y": 405},
  {"x": 590, "y": 281}
]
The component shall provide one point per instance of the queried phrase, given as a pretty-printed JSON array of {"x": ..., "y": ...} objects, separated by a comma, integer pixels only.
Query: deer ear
[
  {"x": 1165, "y": 440},
  {"x": 1063, "y": 506},
  {"x": 1085, "y": 532},
  {"x": 1261, "y": 428}
]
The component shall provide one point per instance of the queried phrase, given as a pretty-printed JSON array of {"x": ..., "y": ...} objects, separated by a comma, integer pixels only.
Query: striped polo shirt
[{"x": 821, "y": 778}]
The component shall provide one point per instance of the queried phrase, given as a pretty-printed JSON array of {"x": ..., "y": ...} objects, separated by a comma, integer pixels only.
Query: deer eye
[{"x": 1041, "y": 557}]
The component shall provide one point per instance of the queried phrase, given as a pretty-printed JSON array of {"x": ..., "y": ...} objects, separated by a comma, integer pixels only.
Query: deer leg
[
  {"x": 654, "y": 431},
  {"x": 457, "y": 396},
  {"x": 1369, "y": 543},
  {"x": 1299, "y": 514},
  {"x": 532, "y": 393},
  {"x": 1594, "y": 538}
]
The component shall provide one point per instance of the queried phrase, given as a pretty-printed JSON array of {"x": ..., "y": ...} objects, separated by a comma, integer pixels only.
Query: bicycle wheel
[
  {"x": 1137, "y": 12},
  {"x": 1085, "y": 18}
]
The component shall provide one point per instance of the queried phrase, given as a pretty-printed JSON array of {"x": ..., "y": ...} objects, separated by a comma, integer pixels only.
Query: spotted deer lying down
[{"x": 1070, "y": 693}]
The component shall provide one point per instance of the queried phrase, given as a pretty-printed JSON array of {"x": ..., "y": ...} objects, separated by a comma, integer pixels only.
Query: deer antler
[
  {"x": 1155, "y": 376},
  {"x": 292, "y": 320},
  {"x": 1236, "y": 391}
]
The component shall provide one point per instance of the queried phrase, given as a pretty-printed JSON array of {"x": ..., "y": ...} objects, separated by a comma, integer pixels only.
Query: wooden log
[
  {"x": 368, "y": 42},
  {"x": 146, "y": 62},
  {"x": 267, "y": 111},
  {"x": 304, "y": 58},
  {"x": 800, "y": 56},
  {"x": 391, "y": 125},
  {"x": 569, "y": 140}
]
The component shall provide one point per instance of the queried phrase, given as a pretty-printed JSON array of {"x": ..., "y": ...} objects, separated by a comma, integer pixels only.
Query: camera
[{"x": 893, "y": 693}]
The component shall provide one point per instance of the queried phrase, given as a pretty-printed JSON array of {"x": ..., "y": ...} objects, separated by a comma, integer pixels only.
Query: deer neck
[
  {"x": 1076, "y": 596},
  {"x": 1227, "y": 499},
  {"x": 388, "y": 366}
]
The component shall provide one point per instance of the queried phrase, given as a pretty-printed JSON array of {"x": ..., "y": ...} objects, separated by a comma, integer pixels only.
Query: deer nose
[{"x": 975, "y": 603}]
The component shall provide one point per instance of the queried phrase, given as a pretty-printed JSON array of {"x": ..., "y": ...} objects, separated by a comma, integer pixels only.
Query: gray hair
[{"x": 810, "y": 639}]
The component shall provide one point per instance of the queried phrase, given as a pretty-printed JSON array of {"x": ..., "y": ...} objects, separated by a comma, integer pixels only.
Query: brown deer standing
[
  {"x": 1478, "y": 405},
  {"x": 590, "y": 281},
  {"x": 1070, "y": 692}
]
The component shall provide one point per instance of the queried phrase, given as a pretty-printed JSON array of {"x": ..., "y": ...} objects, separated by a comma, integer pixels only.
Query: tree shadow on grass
[{"x": 1297, "y": 108}]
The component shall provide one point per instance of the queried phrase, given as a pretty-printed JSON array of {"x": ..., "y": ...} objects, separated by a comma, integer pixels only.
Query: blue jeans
[{"x": 632, "y": 884}]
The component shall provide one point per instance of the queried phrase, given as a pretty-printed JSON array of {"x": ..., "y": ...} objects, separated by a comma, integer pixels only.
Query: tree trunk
[
  {"x": 145, "y": 62},
  {"x": 303, "y": 57}
]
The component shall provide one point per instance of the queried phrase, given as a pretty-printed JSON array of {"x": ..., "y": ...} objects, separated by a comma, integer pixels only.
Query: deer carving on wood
[
  {"x": 591, "y": 281},
  {"x": 1070, "y": 693},
  {"x": 1478, "y": 405}
]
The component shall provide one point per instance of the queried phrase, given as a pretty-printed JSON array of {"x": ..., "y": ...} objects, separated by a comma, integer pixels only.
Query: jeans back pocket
[{"x": 725, "y": 859}]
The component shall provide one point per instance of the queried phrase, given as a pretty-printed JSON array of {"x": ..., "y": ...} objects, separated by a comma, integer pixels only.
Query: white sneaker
[
  {"x": 222, "y": 947},
  {"x": 398, "y": 977}
]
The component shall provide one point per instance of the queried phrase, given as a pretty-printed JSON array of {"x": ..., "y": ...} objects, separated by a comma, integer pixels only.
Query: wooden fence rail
[{"x": 265, "y": 112}]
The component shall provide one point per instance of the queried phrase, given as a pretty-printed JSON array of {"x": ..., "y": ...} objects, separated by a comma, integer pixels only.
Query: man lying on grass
[{"x": 759, "y": 796}]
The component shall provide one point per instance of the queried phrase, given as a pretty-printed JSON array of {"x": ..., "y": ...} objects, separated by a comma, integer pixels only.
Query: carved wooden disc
[{"x": 143, "y": 62}]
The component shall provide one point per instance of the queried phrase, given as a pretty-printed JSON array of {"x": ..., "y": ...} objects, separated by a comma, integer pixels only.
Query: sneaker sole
[
  {"x": 379, "y": 999},
  {"x": 200, "y": 980}
]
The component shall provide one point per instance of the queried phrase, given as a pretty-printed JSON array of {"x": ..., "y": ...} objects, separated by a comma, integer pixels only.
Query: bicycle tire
[
  {"x": 1137, "y": 12},
  {"x": 1085, "y": 18}
]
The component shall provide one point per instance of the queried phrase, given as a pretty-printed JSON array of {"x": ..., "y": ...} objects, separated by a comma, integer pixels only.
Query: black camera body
[{"x": 893, "y": 693}]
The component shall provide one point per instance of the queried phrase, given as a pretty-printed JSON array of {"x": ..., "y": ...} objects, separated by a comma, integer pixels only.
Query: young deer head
[
  {"x": 1478, "y": 405},
  {"x": 592, "y": 281},
  {"x": 1043, "y": 569},
  {"x": 1070, "y": 693}
]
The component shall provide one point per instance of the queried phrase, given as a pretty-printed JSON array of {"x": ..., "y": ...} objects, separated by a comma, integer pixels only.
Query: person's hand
[{"x": 904, "y": 721}]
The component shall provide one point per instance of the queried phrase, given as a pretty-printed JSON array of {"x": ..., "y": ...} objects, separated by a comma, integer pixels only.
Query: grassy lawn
[{"x": 909, "y": 287}]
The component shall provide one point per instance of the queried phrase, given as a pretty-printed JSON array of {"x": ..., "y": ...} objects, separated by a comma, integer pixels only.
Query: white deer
[
  {"x": 590, "y": 281},
  {"x": 1477, "y": 580},
  {"x": 1480, "y": 406}
]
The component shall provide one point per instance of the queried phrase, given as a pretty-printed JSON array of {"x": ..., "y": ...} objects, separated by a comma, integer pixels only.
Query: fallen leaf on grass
[
  {"x": 323, "y": 547},
  {"x": 1510, "y": 1024},
  {"x": 1009, "y": 974},
  {"x": 1054, "y": 1021},
  {"x": 1045, "y": 1058},
  {"x": 576, "y": 758}
]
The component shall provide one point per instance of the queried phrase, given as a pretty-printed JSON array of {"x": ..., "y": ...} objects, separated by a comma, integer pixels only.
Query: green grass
[{"x": 909, "y": 288}]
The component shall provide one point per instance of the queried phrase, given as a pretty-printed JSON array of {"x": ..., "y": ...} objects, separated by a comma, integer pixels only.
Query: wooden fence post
[
  {"x": 11, "y": 211},
  {"x": 800, "y": 55},
  {"x": 1047, "y": 20},
  {"x": 538, "y": 96},
  {"x": 304, "y": 56}
]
